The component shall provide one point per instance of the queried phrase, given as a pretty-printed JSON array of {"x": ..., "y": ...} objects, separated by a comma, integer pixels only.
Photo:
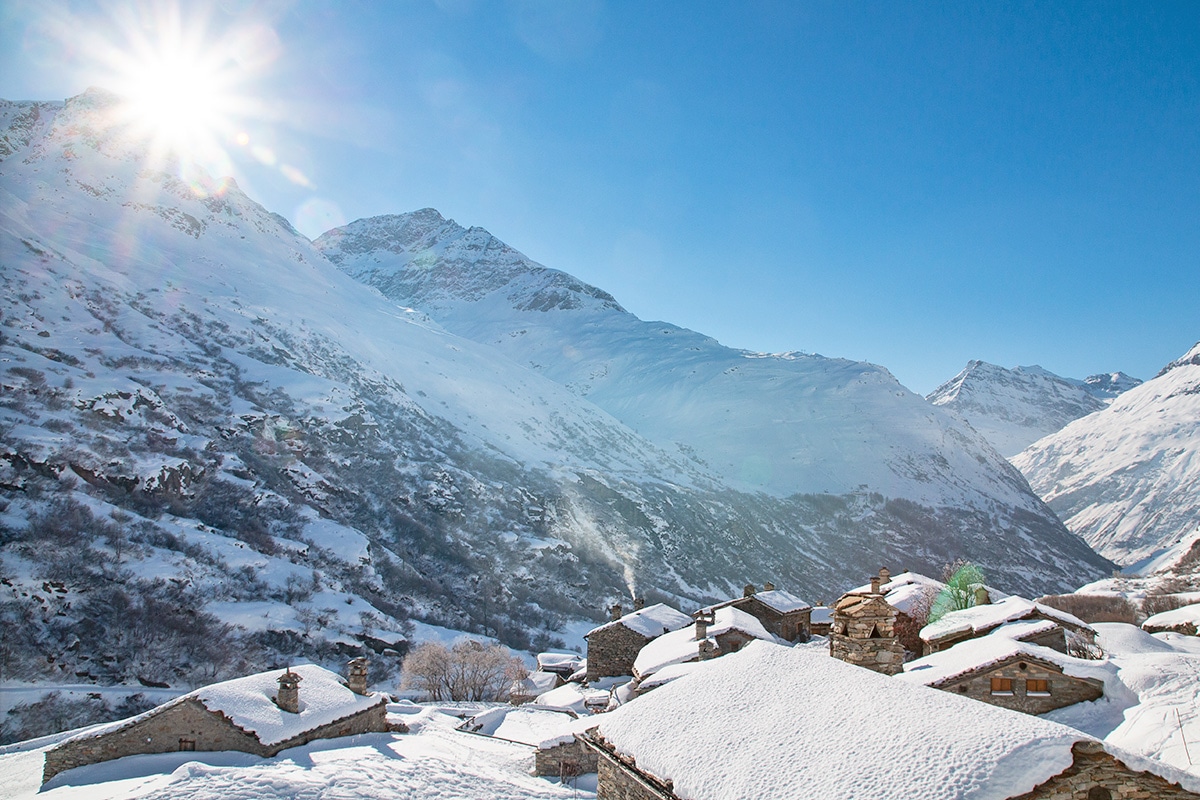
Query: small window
[
  {"x": 1002, "y": 686},
  {"x": 187, "y": 744},
  {"x": 1034, "y": 686}
]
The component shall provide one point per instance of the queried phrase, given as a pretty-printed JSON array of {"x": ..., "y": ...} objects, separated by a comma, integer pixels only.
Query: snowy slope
[
  {"x": 792, "y": 426},
  {"x": 1127, "y": 478},
  {"x": 1013, "y": 408}
]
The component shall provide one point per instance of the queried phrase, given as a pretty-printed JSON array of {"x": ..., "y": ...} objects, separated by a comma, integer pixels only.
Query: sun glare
[{"x": 179, "y": 99}]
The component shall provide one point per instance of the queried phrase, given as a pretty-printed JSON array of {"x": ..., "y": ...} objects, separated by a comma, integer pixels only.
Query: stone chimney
[
  {"x": 615, "y": 611},
  {"x": 356, "y": 675},
  {"x": 885, "y": 576},
  {"x": 982, "y": 598},
  {"x": 874, "y": 584},
  {"x": 707, "y": 649},
  {"x": 768, "y": 587},
  {"x": 748, "y": 590},
  {"x": 289, "y": 692},
  {"x": 703, "y": 620},
  {"x": 639, "y": 603}
]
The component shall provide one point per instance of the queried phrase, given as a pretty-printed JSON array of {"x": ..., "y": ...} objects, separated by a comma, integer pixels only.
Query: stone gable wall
[
  {"x": 615, "y": 781},
  {"x": 612, "y": 651},
  {"x": 1095, "y": 775},
  {"x": 850, "y": 638},
  {"x": 550, "y": 760},
  {"x": 1055, "y": 639},
  {"x": 1064, "y": 690},
  {"x": 792, "y": 626},
  {"x": 209, "y": 730}
]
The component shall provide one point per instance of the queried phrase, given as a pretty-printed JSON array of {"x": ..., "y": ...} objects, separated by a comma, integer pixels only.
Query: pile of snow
[
  {"x": 780, "y": 722},
  {"x": 249, "y": 703},
  {"x": 651, "y": 621},
  {"x": 682, "y": 645},
  {"x": 528, "y": 724}
]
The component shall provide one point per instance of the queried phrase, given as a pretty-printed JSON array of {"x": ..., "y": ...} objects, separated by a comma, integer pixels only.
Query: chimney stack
[
  {"x": 982, "y": 598},
  {"x": 289, "y": 692},
  {"x": 639, "y": 603},
  {"x": 615, "y": 611},
  {"x": 885, "y": 576},
  {"x": 706, "y": 649},
  {"x": 703, "y": 620},
  {"x": 768, "y": 587},
  {"x": 356, "y": 678},
  {"x": 874, "y": 584},
  {"x": 748, "y": 590}
]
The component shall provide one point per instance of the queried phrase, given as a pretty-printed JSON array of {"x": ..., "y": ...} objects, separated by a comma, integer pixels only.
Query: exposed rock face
[
  {"x": 1127, "y": 478},
  {"x": 1013, "y": 408}
]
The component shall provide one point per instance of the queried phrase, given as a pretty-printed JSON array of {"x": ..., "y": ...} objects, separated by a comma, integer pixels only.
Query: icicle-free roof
[
  {"x": 979, "y": 619},
  {"x": 986, "y": 651},
  {"x": 682, "y": 645},
  {"x": 650, "y": 621},
  {"x": 793, "y": 724}
]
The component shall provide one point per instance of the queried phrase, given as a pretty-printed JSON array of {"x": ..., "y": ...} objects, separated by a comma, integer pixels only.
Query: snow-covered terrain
[
  {"x": 1013, "y": 408},
  {"x": 1127, "y": 478}
]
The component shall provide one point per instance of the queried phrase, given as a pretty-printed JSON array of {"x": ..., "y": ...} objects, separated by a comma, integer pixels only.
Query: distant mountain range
[
  {"x": 220, "y": 451},
  {"x": 1013, "y": 408},
  {"x": 1127, "y": 477}
]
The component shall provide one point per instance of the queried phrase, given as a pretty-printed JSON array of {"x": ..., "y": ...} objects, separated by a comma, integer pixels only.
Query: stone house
[
  {"x": 751, "y": 725},
  {"x": 714, "y": 634},
  {"x": 781, "y": 612},
  {"x": 864, "y": 632},
  {"x": 980, "y": 620},
  {"x": 532, "y": 686},
  {"x": 260, "y": 714},
  {"x": 1185, "y": 620},
  {"x": 613, "y": 647},
  {"x": 1010, "y": 673}
]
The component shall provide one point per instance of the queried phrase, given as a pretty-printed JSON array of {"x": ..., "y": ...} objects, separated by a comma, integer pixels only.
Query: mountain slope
[
  {"x": 789, "y": 427},
  {"x": 1127, "y": 478},
  {"x": 1013, "y": 408}
]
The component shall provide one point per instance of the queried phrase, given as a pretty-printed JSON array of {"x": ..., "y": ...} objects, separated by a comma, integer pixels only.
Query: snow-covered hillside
[
  {"x": 1127, "y": 478},
  {"x": 1013, "y": 408},
  {"x": 218, "y": 451}
]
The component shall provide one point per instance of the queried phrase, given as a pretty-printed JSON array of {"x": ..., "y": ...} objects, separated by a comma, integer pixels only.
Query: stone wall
[
  {"x": 1095, "y": 775},
  {"x": 1055, "y": 640},
  {"x": 616, "y": 781},
  {"x": 1064, "y": 690},
  {"x": 580, "y": 760},
  {"x": 612, "y": 650},
  {"x": 864, "y": 634},
  {"x": 188, "y": 725},
  {"x": 792, "y": 626}
]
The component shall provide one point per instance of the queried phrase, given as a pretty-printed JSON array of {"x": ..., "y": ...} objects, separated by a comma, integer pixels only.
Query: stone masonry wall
[
  {"x": 1064, "y": 690},
  {"x": 851, "y": 639},
  {"x": 614, "y": 781},
  {"x": 207, "y": 730},
  {"x": 550, "y": 760},
  {"x": 1096, "y": 775},
  {"x": 612, "y": 651}
]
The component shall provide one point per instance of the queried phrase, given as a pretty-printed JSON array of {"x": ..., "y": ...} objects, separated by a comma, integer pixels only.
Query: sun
[{"x": 180, "y": 99}]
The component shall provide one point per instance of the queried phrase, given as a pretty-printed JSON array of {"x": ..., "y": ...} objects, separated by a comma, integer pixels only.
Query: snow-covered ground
[{"x": 433, "y": 761}]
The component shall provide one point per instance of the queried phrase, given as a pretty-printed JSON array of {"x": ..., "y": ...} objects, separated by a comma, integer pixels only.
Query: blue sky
[{"x": 914, "y": 185}]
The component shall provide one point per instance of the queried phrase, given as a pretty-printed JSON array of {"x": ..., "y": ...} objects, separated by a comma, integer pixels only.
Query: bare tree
[{"x": 468, "y": 671}]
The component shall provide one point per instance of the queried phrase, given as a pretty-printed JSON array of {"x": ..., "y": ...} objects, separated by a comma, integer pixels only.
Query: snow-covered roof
[
  {"x": 682, "y": 645},
  {"x": 559, "y": 661},
  {"x": 986, "y": 651},
  {"x": 650, "y": 621},
  {"x": 576, "y": 696},
  {"x": 528, "y": 724},
  {"x": 822, "y": 615},
  {"x": 781, "y": 600},
  {"x": 535, "y": 683},
  {"x": 1025, "y": 628},
  {"x": 669, "y": 673},
  {"x": 979, "y": 619},
  {"x": 792, "y": 723},
  {"x": 249, "y": 703},
  {"x": 1175, "y": 617}
]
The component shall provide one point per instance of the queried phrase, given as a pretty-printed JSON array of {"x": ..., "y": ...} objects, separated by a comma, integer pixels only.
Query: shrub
[
  {"x": 468, "y": 671},
  {"x": 1093, "y": 607}
]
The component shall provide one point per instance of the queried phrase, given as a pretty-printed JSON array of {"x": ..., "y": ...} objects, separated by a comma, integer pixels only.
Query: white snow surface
[
  {"x": 1127, "y": 478},
  {"x": 682, "y": 645},
  {"x": 651, "y": 621},
  {"x": 249, "y": 703},
  {"x": 985, "y": 651},
  {"x": 906, "y": 588},
  {"x": 782, "y": 600},
  {"x": 980, "y": 618},
  {"x": 771, "y": 725},
  {"x": 1178, "y": 616}
]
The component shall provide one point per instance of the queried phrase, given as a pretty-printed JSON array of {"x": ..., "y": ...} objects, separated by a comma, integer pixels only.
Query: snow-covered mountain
[
  {"x": 1013, "y": 408},
  {"x": 798, "y": 430},
  {"x": 218, "y": 451},
  {"x": 1127, "y": 478}
]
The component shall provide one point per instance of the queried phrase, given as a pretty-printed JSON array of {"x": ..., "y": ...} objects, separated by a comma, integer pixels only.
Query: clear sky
[{"x": 911, "y": 184}]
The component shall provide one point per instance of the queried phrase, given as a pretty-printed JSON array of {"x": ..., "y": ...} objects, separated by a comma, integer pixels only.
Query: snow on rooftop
[
  {"x": 547, "y": 661},
  {"x": 782, "y": 601},
  {"x": 793, "y": 723},
  {"x": 964, "y": 657},
  {"x": 249, "y": 703},
  {"x": 1178, "y": 616},
  {"x": 650, "y": 621},
  {"x": 529, "y": 724},
  {"x": 535, "y": 683},
  {"x": 822, "y": 615},
  {"x": 573, "y": 696},
  {"x": 978, "y": 619},
  {"x": 680, "y": 646}
]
